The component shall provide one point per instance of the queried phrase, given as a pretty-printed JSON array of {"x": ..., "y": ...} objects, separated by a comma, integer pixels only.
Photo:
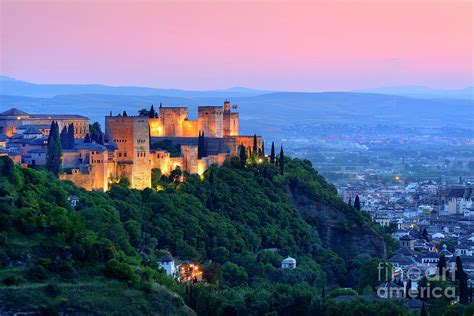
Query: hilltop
[{"x": 108, "y": 246}]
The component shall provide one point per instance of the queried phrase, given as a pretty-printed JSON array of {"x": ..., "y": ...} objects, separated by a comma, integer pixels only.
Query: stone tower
[
  {"x": 210, "y": 120},
  {"x": 130, "y": 135},
  {"x": 230, "y": 121}
]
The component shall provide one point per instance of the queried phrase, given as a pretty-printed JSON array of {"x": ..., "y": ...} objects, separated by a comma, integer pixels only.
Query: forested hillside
[{"x": 238, "y": 222}]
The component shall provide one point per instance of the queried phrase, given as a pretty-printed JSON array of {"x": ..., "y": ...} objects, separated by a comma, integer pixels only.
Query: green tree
[
  {"x": 272, "y": 153},
  {"x": 144, "y": 112},
  {"x": 87, "y": 139},
  {"x": 242, "y": 156},
  {"x": 176, "y": 175},
  {"x": 282, "y": 161},
  {"x": 357, "y": 203},
  {"x": 423, "y": 310},
  {"x": 374, "y": 271},
  {"x": 54, "y": 153},
  {"x": 442, "y": 266},
  {"x": 95, "y": 132},
  {"x": 424, "y": 234},
  {"x": 70, "y": 136},
  {"x": 233, "y": 275},
  {"x": 152, "y": 112},
  {"x": 64, "y": 137},
  {"x": 255, "y": 146},
  {"x": 461, "y": 278},
  {"x": 155, "y": 177}
]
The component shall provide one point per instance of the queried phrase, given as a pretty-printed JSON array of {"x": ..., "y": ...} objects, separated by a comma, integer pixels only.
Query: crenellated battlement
[{"x": 213, "y": 121}]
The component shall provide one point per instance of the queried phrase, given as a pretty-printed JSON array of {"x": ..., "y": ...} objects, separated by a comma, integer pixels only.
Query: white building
[
  {"x": 288, "y": 263},
  {"x": 167, "y": 263}
]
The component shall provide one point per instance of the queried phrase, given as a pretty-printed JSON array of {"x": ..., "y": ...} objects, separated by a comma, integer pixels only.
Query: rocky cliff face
[{"x": 339, "y": 228}]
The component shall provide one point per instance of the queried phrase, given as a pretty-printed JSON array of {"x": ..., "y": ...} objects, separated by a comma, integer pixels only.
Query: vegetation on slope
[{"x": 238, "y": 222}]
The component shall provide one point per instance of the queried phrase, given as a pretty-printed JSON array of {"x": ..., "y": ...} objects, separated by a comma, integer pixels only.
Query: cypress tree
[
  {"x": 255, "y": 147},
  {"x": 263, "y": 150},
  {"x": 425, "y": 234},
  {"x": 357, "y": 203},
  {"x": 124, "y": 113},
  {"x": 441, "y": 265},
  {"x": 53, "y": 156},
  {"x": 64, "y": 137},
  {"x": 350, "y": 201},
  {"x": 272, "y": 153},
  {"x": 461, "y": 276},
  {"x": 282, "y": 161},
  {"x": 423, "y": 310},
  {"x": 242, "y": 156},
  {"x": 152, "y": 113},
  {"x": 70, "y": 136}
]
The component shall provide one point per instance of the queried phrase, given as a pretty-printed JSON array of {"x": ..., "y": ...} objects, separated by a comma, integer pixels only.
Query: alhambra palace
[{"x": 131, "y": 147}]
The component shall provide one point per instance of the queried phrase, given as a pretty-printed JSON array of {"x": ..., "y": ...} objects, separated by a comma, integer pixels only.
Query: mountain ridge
[{"x": 13, "y": 86}]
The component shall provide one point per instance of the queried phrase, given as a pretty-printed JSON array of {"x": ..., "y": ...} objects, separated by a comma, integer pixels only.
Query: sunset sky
[{"x": 305, "y": 46}]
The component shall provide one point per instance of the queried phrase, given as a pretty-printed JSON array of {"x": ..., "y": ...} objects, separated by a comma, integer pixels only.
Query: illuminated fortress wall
[{"x": 214, "y": 121}]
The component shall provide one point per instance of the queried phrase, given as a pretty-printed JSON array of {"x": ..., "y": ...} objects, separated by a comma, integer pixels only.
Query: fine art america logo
[{"x": 418, "y": 284}]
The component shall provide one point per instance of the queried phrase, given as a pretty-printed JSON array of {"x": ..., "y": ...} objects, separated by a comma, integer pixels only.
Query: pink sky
[{"x": 306, "y": 46}]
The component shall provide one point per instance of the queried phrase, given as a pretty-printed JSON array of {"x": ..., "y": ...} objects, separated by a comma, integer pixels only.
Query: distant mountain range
[
  {"x": 260, "y": 111},
  {"x": 11, "y": 86},
  {"x": 425, "y": 92}
]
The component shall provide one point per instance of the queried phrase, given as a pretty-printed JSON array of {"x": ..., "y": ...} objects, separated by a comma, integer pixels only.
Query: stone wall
[
  {"x": 83, "y": 180},
  {"x": 210, "y": 121}
]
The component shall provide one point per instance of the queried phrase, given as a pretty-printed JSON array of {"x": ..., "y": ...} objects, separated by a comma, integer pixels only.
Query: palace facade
[{"x": 133, "y": 145}]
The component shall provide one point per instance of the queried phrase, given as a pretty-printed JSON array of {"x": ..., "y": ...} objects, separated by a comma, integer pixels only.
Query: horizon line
[{"x": 242, "y": 87}]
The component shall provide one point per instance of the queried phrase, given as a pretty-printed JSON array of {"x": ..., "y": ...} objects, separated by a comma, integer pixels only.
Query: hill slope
[{"x": 240, "y": 223}]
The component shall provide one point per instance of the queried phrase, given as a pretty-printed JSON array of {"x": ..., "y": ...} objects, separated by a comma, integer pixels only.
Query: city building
[
  {"x": 288, "y": 263},
  {"x": 167, "y": 263}
]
